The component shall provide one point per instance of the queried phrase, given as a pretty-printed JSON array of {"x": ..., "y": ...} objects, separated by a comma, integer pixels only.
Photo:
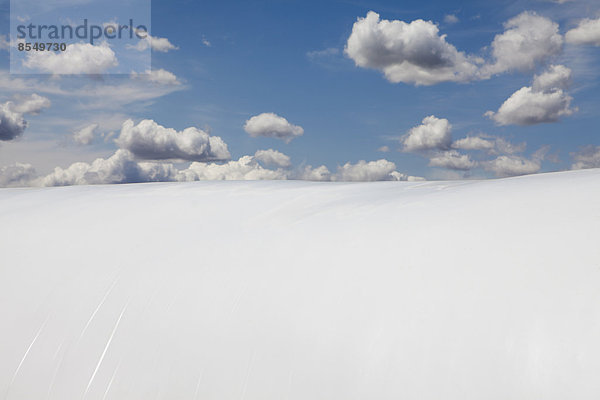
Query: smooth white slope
[{"x": 294, "y": 290}]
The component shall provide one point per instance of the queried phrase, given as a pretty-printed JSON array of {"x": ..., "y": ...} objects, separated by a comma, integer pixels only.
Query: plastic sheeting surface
[{"x": 295, "y": 290}]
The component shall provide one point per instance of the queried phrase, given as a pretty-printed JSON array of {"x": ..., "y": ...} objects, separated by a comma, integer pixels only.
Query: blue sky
[{"x": 235, "y": 60}]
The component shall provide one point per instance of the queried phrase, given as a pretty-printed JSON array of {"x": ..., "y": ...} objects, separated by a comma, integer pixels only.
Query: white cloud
[
  {"x": 273, "y": 157},
  {"x": 366, "y": 171},
  {"x": 274, "y": 126},
  {"x": 505, "y": 166},
  {"x": 32, "y": 104},
  {"x": 452, "y": 160},
  {"x": 416, "y": 53},
  {"x": 331, "y": 51},
  {"x": 433, "y": 134},
  {"x": 12, "y": 123},
  {"x": 149, "y": 140},
  {"x": 490, "y": 144},
  {"x": 474, "y": 143},
  {"x": 112, "y": 92},
  {"x": 587, "y": 32},
  {"x": 329, "y": 58},
  {"x": 16, "y": 175},
  {"x": 505, "y": 147},
  {"x": 412, "y": 52},
  {"x": 4, "y": 43},
  {"x": 529, "y": 39},
  {"x": 556, "y": 77},
  {"x": 384, "y": 149},
  {"x": 527, "y": 107},
  {"x": 588, "y": 157},
  {"x": 118, "y": 93},
  {"x": 246, "y": 168},
  {"x": 11, "y": 83},
  {"x": 47, "y": 152},
  {"x": 544, "y": 102},
  {"x": 450, "y": 19},
  {"x": 159, "y": 76},
  {"x": 362, "y": 171},
  {"x": 78, "y": 58},
  {"x": 121, "y": 167},
  {"x": 161, "y": 44},
  {"x": 85, "y": 135},
  {"x": 156, "y": 43},
  {"x": 309, "y": 173},
  {"x": 398, "y": 176}
]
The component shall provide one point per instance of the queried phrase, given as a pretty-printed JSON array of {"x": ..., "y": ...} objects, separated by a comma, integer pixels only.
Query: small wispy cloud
[
  {"x": 451, "y": 19},
  {"x": 315, "y": 54}
]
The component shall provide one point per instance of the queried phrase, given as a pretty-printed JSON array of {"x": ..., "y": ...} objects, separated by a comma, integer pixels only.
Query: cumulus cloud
[
  {"x": 121, "y": 167},
  {"x": 556, "y": 77},
  {"x": 412, "y": 52},
  {"x": 366, "y": 171},
  {"x": 158, "y": 76},
  {"x": 474, "y": 143},
  {"x": 528, "y": 40},
  {"x": 452, "y": 159},
  {"x": 490, "y": 144},
  {"x": 12, "y": 123},
  {"x": 527, "y": 107},
  {"x": 85, "y": 135},
  {"x": 503, "y": 146},
  {"x": 544, "y": 102},
  {"x": 416, "y": 53},
  {"x": 16, "y": 175},
  {"x": 588, "y": 157},
  {"x": 274, "y": 126},
  {"x": 433, "y": 139},
  {"x": 32, "y": 104},
  {"x": 159, "y": 44},
  {"x": 78, "y": 58},
  {"x": 398, "y": 176},
  {"x": 246, "y": 168},
  {"x": 309, "y": 173},
  {"x": 249, "y": 168},
  {"x": 587, "y": 32},
  {"x": 362, "y": 171},
  {"x": 151, "y": 141},
  {"x": 433, "y": 134},
  {"x": 505, "y": 166},
  {"x": 273, "y": 157}
]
